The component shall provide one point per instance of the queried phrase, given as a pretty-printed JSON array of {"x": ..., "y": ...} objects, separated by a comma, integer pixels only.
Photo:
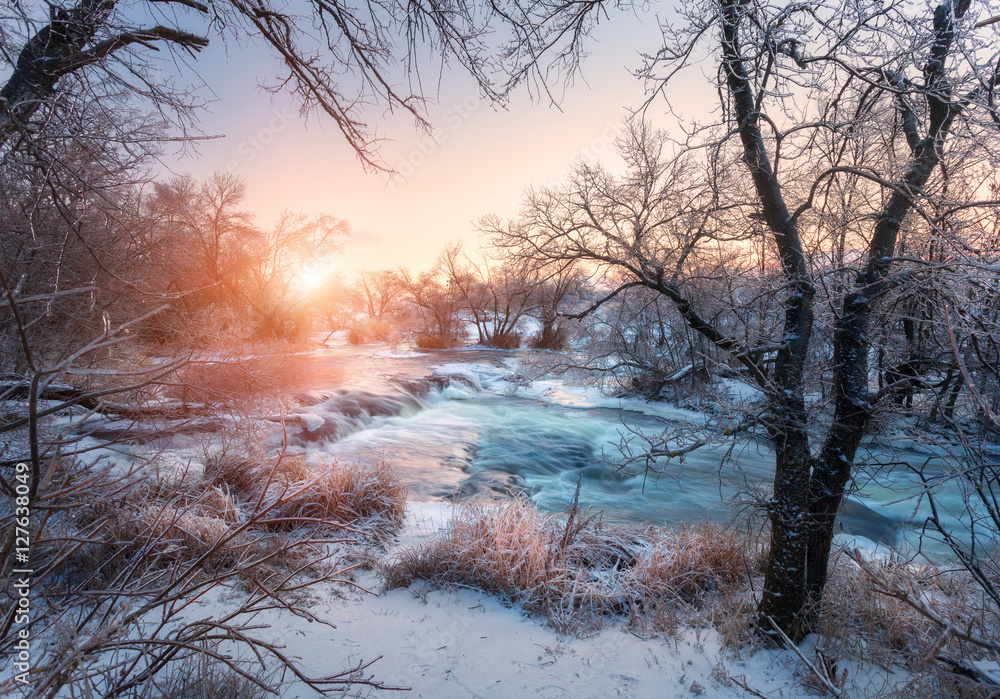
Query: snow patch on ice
[
  {"x": 501, "y": 380},
  {"x": 312, "y": 421},
  {"x": 398, "y": 354},
  {"x": 740, "y": 390},
  {"x": 559, "y": 393}
]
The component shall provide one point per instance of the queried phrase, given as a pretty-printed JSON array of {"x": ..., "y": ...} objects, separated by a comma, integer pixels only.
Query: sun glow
[{"x": 312, "y": 276}]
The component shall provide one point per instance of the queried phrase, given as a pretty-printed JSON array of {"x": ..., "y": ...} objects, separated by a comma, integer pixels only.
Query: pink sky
[{"x": 483, "y": 159}]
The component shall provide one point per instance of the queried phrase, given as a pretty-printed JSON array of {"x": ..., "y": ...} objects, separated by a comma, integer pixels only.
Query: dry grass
[
  {"x": 575, "y": 571},
  {"x": 173, "y": 528},
  {"x": 252, "y": 505},
  {"x": 143, "y": 535},
  {"x": 369, "y": 496},
  {"x": 235, "y": 470},
  {"x": 347, "y": 493},
  {"x": 121, "y": 550},
  {"x": 218, "y": 502},
  {"x": 505, "y": 547},
  {"x": 937, "y": 683},
  {"x": 693, "y": 562},
  {"x": 202, "y": 677},
  {"x": 696, "y": 574},
  {"x": 235, "y": 458},
  {"x": 861, "y": 622}
]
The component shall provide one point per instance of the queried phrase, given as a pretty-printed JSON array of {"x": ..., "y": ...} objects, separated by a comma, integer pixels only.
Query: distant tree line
[{"x": 495, "y": 301}]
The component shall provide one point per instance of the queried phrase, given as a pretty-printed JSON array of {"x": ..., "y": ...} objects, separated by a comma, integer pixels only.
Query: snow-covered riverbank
[{"x": 462, "y": 642}]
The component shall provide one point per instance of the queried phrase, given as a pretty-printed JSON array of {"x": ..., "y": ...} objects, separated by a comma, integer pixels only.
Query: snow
[
  {"x": 466, "y": 643},
  {"x": 740, "y": 391},
  {"x": 398, "y": 354},
  {"x": 463, "y": 642},
  {"x": 487, "y": 377},
  {"x": 312, "y": 421},
  {"x": 477, "y": 375},
  {"x": 561, "y": 393}
]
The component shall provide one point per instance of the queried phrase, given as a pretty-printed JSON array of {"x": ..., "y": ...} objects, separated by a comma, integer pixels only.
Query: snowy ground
[{"x": 466, "y": 643}]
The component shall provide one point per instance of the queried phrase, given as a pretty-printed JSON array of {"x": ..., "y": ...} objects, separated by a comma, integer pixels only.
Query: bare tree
[
  {"x": 98, "y": 38},
  {"x": 293, "y": 246},
  {"x": 562, "y": 288},
  {"x": 223, "y": 262},
  {"x": 808, "y": 488},
  {"x": 812, "y": 102},
  {"x": 378, "y": 292},
  {"x": 496, "y": 293},
  {"x": 438, "y": 308}
]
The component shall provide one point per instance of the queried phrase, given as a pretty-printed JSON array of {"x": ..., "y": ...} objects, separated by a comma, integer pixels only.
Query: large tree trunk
[
  {"x": 47, "y": 56},
  {"x": 853, "y": 403},
  {"x": 807, "y": 491},
  {"x": 853, "y": 407},
  {"x": 784, "y": 597}
]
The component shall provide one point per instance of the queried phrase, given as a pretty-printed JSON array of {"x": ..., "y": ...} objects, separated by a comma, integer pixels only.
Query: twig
[
  {"x": 746, "y": 687},
  {"x": 821, "y": 676},
  {"x": 965, "y": 375},
  {"x": 908, "y": 597}
]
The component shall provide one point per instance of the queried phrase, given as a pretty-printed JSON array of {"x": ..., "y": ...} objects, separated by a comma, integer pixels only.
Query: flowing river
[{"x": 454, "y": 424}]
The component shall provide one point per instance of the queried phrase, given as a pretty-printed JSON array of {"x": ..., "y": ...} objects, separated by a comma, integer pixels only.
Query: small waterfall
[{"x": 454, "y": 425}]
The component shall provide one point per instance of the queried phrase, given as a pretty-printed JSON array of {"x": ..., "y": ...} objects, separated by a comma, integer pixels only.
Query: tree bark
[
  {"x": 852, "y": 401},
  {"x": 64, "y": 46},
  {"x": 807, "y": 490},
  {"x": 784, "y": 595}
]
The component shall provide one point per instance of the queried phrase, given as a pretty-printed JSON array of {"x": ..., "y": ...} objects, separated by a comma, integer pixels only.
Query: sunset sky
[{"x": 481, "y": 164}]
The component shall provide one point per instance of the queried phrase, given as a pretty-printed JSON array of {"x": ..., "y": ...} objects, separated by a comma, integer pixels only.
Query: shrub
[
  {"x": 550, "y": 338},
  {"x": 358, "y": 335},
  {"x": 232, "y": 381},
  {"x": 861, "y": 621},
  {"x": 509, "y": 340},
  {"x": 576, "y": 570},
  {"x": 425, "y": 341},
  {"x": 370, "y": 330}
]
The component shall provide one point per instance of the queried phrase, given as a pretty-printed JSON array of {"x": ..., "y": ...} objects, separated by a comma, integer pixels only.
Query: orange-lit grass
[
  {"x": 370, "y": 496},
  {"x": 505, "y": 547},
  {"x": 575, "y": 571},
  {"x": 346, "y": 493},
  {"x": 251, "y": 505},
  {"x": 695, "y": 573},
  {"x": 694, "y": 561}
]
